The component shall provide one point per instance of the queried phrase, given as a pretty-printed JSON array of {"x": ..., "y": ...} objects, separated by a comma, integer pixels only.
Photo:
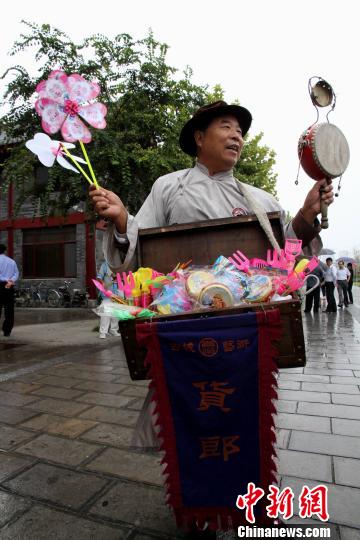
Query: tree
[{"x": 147, "y": 102}]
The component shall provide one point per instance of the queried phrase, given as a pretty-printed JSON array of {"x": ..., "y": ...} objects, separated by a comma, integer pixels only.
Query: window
[{"x": 49, "y": 252}]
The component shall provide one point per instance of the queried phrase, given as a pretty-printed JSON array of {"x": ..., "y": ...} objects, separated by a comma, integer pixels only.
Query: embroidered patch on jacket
[{"x": 239, "y": 212}]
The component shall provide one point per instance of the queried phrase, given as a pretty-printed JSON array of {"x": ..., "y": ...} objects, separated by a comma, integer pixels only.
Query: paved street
[{"x": 68, "y": 408}]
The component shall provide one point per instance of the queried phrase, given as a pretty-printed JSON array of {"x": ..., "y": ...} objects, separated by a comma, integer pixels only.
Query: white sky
[{"x": 261, "y": 52}]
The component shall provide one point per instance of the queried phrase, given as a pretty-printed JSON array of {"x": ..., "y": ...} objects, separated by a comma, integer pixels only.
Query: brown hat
[{"x": 203, "y": 116}]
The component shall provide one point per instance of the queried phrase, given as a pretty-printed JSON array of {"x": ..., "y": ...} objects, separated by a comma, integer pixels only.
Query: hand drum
[{"x": 324, "y": 153}]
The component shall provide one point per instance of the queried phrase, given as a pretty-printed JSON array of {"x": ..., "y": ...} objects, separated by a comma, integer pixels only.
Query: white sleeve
[
  {"x": 119, "y": 255},
  {"x": 119, "y": 249}
]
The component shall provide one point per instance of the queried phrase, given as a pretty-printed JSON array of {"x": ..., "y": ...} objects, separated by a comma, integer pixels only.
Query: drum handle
[{"x": 324, "y": 208}]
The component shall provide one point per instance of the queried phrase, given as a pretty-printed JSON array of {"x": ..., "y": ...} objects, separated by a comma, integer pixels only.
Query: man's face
[{"x": 219, "y": 146}]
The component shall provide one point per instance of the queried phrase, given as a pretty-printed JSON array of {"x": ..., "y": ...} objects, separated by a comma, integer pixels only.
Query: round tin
[
  {"x": 197, "y": 280},
  {"x": 216, "y": 295}
]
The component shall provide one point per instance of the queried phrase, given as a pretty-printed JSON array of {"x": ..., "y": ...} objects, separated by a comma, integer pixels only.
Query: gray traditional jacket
[{"x": 193, "y": 195}]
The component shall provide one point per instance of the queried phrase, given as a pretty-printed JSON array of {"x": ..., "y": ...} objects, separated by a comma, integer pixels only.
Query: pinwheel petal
[
  {"x": 55, "y": 87},
  {"x": 43, "y": 140},
  {"x": 94, "y": 114},
  {"x": 34, "y": 147},
  {"x": 46, "y": 158},
  {"x": 40, "y": 145},
  {"x": 73, "y": 129},
  {"x": 81, "y": 90},
  {"x": 62, "y": 161},
  {"x": 79, "y": 159},
  {"x": 52, "y": 114}
]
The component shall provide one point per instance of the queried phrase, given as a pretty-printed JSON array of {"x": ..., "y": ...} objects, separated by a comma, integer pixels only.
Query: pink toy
[
  {"x": 240, "y": 261},
  {"x": 295, "y": 283},
  {"x": 102, "y": 289},
  {"x": 127, "y": 284},
  {"x": 277, "y": 260},
  {"x": 292, "y": 248},
  {"x": 311, "y": 265},
  {"x": 63, "y": 100},
  {"x": 258, "y": 263},
  {"x": 295, "y": 280}
]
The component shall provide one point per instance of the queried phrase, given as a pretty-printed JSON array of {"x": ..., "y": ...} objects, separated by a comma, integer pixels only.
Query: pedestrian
[
  {"x": 330, "y": 284},
  {"x": 342, "y": 278},
  {"x": 323, "y": 292},
  {"x": 9, "y": 274},
  {"x": 350, "y": 282},
  {"x": 312, "y": 299},
  {"x": 108, "y": 325}
]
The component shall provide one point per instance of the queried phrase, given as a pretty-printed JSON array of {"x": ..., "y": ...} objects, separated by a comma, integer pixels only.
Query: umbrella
[
  {"x": 326, "y": 251},
  {"x": 347, "y": 260}
]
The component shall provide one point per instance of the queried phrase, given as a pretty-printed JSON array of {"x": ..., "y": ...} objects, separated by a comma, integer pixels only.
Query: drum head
[
  {"x": 322, "y": 94},
  {"x": 331, "y": 150}
]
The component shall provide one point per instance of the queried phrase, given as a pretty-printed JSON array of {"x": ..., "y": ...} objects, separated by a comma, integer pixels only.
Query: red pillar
[
  {"x": 90, "y": 258},
  {"x": 10, "y": 205}
]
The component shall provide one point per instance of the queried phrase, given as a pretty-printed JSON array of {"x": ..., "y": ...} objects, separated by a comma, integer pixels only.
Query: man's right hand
[{"x": 109, "y": 205}]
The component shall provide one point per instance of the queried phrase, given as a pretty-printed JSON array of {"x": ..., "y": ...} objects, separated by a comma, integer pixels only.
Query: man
[
  {"x": 342, "y": 278},
  {"x": 9, "y": 274},
  {"x": 313, "y": 297},
  {"x": 214, "y": 135},
  {"x": 330, "y": 283},
  {"x": 350, "y": 282}
]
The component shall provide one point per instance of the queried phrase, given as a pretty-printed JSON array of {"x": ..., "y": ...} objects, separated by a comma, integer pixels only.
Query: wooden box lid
[{"x": 203, "y": 241}]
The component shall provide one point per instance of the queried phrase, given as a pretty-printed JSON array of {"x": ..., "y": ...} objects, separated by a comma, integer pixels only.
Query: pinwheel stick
[
  {"x": 77, "y": 164},
  {"x": 89, "y": 164}
]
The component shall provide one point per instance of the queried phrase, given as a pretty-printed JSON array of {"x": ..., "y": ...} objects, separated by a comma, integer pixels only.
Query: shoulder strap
[{"x": 260, "y": 213}]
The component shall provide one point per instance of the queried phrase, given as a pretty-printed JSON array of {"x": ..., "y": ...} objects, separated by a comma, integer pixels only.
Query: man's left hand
[{"x": 321, "y": 191}]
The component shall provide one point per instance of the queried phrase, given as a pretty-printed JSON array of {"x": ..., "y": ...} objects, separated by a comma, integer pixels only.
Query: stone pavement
[{"x": 68, "y": 408}]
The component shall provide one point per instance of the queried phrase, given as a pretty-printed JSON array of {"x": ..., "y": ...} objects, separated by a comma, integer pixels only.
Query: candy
[
  {"x": 197, "y": 280},
  {"x": 260, "y": 288}
]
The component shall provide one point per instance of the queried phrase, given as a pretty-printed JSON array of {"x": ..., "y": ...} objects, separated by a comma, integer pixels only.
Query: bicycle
[
  {"x": 72, "y": 297},
  {"x": 23, "y": 297},
  {"x": 42, "y": 294}
]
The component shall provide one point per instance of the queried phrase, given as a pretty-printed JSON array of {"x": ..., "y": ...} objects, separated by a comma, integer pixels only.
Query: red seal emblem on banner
[{"x": 208, "y": 347}]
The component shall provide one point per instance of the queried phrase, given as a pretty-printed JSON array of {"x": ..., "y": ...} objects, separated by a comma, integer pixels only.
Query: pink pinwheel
[{"x": 63, "y": 100}]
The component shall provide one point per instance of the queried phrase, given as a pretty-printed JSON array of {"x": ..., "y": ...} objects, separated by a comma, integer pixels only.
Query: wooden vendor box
[{"x": 162, "y": 248}]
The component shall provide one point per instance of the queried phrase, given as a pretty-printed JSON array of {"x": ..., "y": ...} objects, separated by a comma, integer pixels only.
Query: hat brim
[{"x": 186, "y": 139}]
